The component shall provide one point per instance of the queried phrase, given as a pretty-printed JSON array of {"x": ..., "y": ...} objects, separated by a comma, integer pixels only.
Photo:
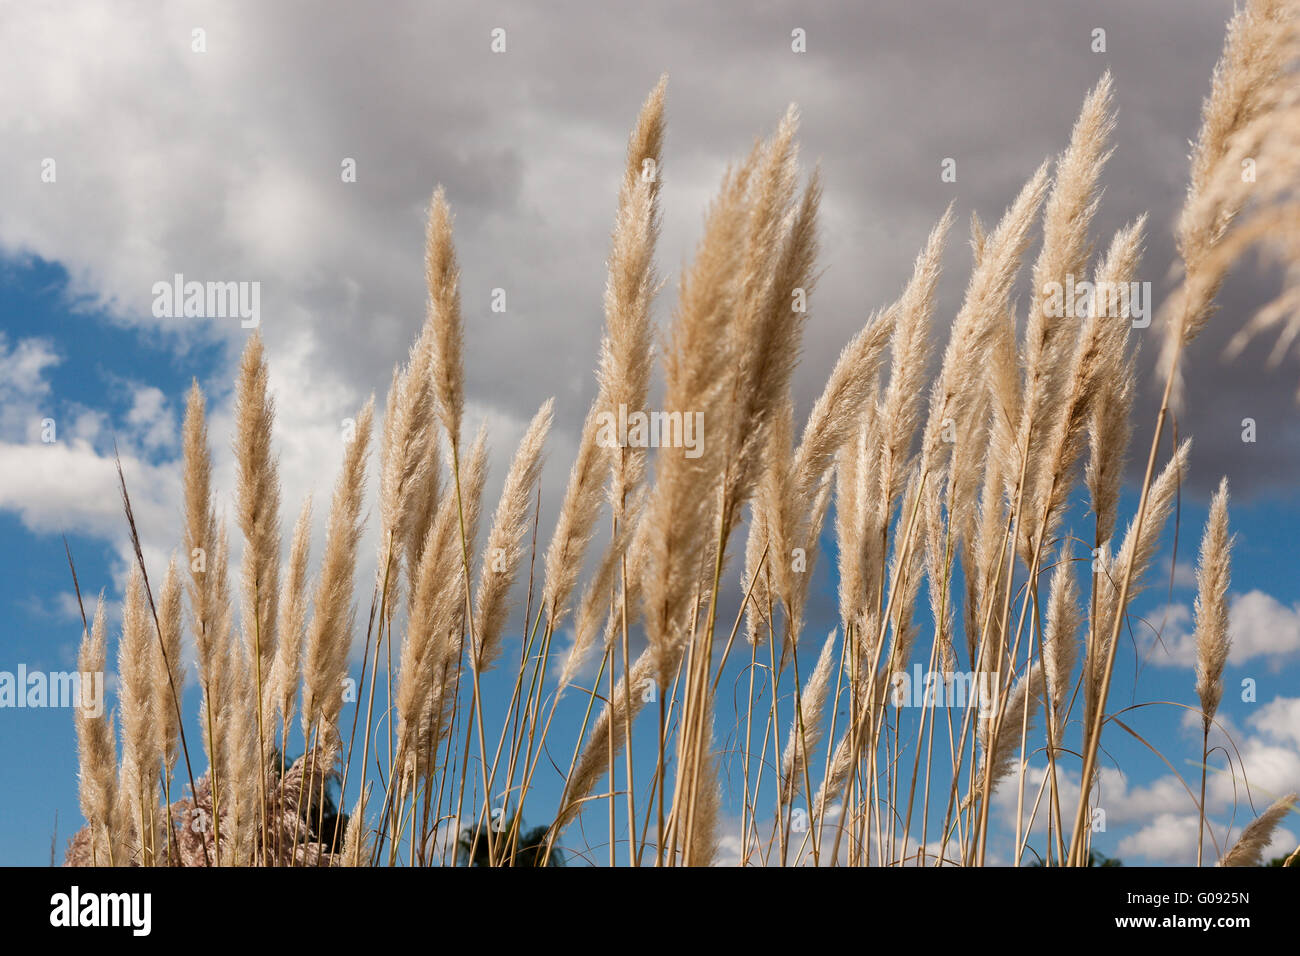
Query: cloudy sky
[{"x": 225, "y": 164}]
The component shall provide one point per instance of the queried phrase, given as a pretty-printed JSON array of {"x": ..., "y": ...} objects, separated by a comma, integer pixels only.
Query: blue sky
[
  {"x": 225, "y": 165},
  {"x": 96, "y": 370}
]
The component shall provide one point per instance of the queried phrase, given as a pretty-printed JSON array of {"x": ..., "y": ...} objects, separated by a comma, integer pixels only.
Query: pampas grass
[
  {"x": 168, "y": 673},
  {"x": 1000, "y": 749},
  {"x": 625, "y": 351},
  {"x": 330, "y": 631},
  {"x": 1212, "y": 573},
  {"x": 1254, "y": 54},
  {"x": 960, "y": 482},
  {"x": 504, "y": 550},
  {"x": 287, "y": 669},
  {"x": 1212, "y": 641},
  {"x": 141, "y": 746},
  {"x": 443, "y": 277},
  {"x": 1255, "y": 838},
  {"x": 96, "y": 753}
]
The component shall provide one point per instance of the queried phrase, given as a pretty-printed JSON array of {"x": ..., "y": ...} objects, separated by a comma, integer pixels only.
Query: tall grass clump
[{"x": 615, "y": 666}]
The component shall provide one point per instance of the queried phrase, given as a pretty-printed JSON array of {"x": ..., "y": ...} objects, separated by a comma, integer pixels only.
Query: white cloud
[
  {"x": 1169, "y": 635},
  {"x": 1169, "y": 838},
  {"x": 1269, "y": 765},
  {"x": 1184, "y": 575},
  {"x": 1262, "y": 626},
  {"x": 1279, "y": 719},
  {"x": 23, "y": 386},
  {"x": 1249, "y": 769},
  {"x": 90, "y": 425},
  {"x": 1259, "y": 626},
  {"x": 1270, "y": 770},
  {"x": 69, "y": 486},
  {"x": 22, "y": 367},
  {"x": 152, "y": 420},
  {"x": 729, "y": 848}
]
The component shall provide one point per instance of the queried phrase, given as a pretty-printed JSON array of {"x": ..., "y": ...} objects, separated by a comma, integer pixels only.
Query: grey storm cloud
[{"x": 227, "y": 163}]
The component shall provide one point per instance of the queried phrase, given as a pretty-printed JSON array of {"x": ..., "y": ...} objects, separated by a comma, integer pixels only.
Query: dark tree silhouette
[
  {"x": 1095, "y": 858},
  {"x": 472, "y": 847}
]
